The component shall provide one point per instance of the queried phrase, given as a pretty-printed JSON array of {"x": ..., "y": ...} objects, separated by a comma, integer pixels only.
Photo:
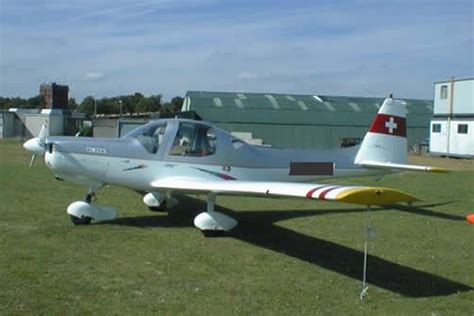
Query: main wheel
[
  {"x": 214, "y": 233},
  {"x": 85, "y": 220},
  {"x": 161, "y": 208}
]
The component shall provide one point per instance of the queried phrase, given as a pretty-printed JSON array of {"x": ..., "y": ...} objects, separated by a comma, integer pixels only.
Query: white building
[
  {"x": 26, "y": 123},
  {"x": 452, "y": 125}
]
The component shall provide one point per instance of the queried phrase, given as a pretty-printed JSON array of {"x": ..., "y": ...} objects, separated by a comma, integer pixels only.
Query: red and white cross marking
[{"x": 389, "y": 125}]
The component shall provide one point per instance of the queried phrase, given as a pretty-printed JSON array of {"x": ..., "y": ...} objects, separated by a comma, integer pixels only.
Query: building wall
[
  {"x": 460, "y": 145},
  {"x": 7, "y": 124},
  {"x": 302, "y": 121},
  {"x": 463, "y": 98},
  {"x": 115, "y": 127},
  {"x": 33, "y": 124},
  {"x": 448, "y": 141},
  {"x": 313, "y": 130},
  {"x": 55, "y": 124},
  {"x": 127, "y": 126},
  {"x": 54, "y": 96},
  {"x": 105, "y": 127}
]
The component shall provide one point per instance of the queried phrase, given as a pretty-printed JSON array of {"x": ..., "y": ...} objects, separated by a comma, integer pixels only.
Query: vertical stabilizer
[{"x": 386, "y": 141}]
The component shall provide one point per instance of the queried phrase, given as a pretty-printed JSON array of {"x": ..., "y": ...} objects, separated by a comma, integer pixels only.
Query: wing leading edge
[{"x": 360, "y": 195}]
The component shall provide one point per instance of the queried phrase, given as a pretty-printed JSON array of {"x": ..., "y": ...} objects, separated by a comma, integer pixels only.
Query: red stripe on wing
[
  {"x": 322, "y": 195},
  {"x": 309, "y": 195}
]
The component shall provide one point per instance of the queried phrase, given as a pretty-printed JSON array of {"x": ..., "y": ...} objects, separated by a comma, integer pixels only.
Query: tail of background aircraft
[{"x": 385, "y": 144}]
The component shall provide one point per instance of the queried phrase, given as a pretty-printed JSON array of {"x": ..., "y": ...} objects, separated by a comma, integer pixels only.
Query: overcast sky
[{"x": 113, "y": 47}]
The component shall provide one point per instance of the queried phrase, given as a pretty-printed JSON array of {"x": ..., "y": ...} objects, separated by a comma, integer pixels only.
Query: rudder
[{"x": 386, "y": 141}]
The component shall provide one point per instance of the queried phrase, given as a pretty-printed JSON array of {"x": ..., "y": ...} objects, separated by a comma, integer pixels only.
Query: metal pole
[
  {"x": 367, "y": 231},
  {"x": 450, "y": 114}
]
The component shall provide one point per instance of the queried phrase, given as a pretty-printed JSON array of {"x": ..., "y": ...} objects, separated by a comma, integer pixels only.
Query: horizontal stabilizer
[{"x": 399, "y": 166}]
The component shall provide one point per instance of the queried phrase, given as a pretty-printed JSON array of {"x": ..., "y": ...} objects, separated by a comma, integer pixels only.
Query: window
[
  {"x": 462, "y": 128},
  {"x": 194, "y": 140},
  {"x": 350, "y": 142},
  {"x": 436, "y": 128},
  {"x": 150, "y": 136},
  {"x": 444, "y": 92}
]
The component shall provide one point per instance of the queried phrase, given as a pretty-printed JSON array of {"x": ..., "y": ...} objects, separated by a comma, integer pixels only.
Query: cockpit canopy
[
  {"x": 149, "y": 135},
  {"x": 188, "y": 139},
  {"x": 194, "y": 140}
]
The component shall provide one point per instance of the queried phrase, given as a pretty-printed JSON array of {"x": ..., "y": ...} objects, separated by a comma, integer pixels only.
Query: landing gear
[
  {"x": 213, "y": 233},
  {"x": 161, "y": 208},
  {"x": 90, "y": 196},
  {"x": 155, "y": 202},
  {"x": 213, "y": 223},
  {"x": 83, "y": 212},
  {"x": 85, "y": 220}
]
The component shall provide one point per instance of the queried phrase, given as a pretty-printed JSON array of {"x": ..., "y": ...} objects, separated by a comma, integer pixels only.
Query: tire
[
  {"x": 81, "y": 220},
  {"x": 161, "y": 208},
  {"x": 214, "y": 233}
]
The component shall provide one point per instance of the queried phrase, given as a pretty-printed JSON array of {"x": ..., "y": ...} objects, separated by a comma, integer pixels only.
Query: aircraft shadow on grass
[{"x": 258, "y": 228}]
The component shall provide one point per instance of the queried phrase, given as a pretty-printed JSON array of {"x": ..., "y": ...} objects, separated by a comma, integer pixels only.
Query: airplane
[{"x": 167, "y": 157}]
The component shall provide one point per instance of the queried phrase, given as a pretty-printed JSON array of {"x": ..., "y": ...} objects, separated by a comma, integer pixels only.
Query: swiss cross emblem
[{"x": 391, "y": 125}]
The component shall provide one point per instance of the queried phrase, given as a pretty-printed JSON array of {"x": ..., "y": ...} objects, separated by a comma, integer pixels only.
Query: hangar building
[
  {"x": 301, "y": 121},
  {"x": 452, "y": 126}
]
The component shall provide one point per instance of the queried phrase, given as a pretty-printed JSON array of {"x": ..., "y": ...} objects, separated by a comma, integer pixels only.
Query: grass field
[{"x": 287, "y": 256}]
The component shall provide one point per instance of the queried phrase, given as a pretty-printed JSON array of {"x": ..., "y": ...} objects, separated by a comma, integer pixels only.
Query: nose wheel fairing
[{"x": 82, "y": 209}]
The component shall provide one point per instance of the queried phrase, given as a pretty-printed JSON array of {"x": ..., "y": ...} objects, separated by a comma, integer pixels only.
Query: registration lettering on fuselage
[{"x": 96, "y": 150}]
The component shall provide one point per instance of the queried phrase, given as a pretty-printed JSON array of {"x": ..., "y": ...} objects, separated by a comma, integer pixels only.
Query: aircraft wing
[
  {"x": 361, "y": 195},
  {"x": 399, "y": 166}
]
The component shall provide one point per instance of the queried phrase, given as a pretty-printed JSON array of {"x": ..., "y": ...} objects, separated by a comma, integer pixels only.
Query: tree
[
  {"x": 177, "y": 103},
  {"x": 35, "y": 102},
  {"x": 72, "y": 104},
  {"x": 143, "y": 105},
  {"x": 4, "y": 102},
  {"x": 133, "y": 103},
  {"x": 87, "y": 106},
  {"x": 155, "y": 103},
  {"x": 127, "y": 104}
]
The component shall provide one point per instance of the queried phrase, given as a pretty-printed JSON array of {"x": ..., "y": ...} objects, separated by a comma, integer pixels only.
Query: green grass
[{"x": 287, "y": 256}]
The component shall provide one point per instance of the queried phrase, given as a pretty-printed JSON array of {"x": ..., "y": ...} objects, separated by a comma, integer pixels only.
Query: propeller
[
  {"x": 32, "y": 160},
  {"x": 36, "y": 145}
]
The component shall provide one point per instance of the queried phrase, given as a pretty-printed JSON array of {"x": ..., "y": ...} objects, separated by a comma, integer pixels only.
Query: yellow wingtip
[
  {"x": 438, "y": 170},
  {"x": 374, "y": 196}
]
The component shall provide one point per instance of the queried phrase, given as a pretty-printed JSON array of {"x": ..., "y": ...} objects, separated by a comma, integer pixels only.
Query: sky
[{"x": 353, "y": 47}]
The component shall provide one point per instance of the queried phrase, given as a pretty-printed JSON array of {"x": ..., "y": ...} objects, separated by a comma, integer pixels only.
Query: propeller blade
[
  {"x": 32, "y": 160},
  {"x": 42, "y": 134}
]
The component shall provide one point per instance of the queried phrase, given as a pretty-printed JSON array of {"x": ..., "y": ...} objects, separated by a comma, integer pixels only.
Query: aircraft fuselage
[{"x": 133, "y": 163}]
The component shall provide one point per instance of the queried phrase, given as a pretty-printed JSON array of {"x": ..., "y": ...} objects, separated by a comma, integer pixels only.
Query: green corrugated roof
[
  {"x": 293, "y": 102},
  {"x": 275, "y": 108},
  {"x": 304, "y": 121}
]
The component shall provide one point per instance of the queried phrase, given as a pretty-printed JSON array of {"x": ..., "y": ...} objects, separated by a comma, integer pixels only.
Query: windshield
[
  {"x": 149, "y": 135},
  {"x": 194, "y": 140}
]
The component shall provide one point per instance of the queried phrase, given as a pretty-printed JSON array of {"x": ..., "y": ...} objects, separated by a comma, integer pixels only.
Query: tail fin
[
  {"x": 386, "y": 140},
  {"x": 385, "y": 144}
]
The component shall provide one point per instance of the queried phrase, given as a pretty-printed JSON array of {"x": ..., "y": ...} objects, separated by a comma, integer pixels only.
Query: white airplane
[{"x": 170, "y": 156}]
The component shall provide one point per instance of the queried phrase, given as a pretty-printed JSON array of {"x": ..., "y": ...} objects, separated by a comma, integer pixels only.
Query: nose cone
[{"x": 33, "y": 145}]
